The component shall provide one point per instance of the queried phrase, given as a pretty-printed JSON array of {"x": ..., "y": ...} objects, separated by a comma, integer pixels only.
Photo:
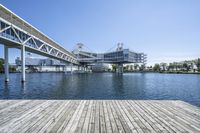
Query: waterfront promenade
[{"x": 98, "y": 116}]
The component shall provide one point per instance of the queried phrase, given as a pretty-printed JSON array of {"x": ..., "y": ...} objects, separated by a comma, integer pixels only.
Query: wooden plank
[
  {"x": 152, "y": 125},
  {"x": 156, "y": 118},
  {"x": 85, "y": 127},
  {"x": 111, "y": 117},
  {"x": 41, "y": 117},
  {"x": 186, "y": 116},
  {"x": 9, "y": 114},
  {"x": 59, "y": 117},
  {"x": 182, "y": 118},
  {"x": 116, "y": 118},
  {"x": 180, "y": 121},
  {"x": 78, "y": 117},
  {"x": 161, "y": 116},
  {"x": 12, "y": 107},
  {"x": 98, "y": 116},
  {"x": 102, "y": 118},
  {"x": 130, "y": 117},
  {"x": 82, "y": 118},
  {"x": 172, "y": 121},
  {"x": 23, "y": 119},
  {"x": 71, "y": 126},
  {"x": 121, "y": 117},
  {"x": 6, "y": 103},
  {"x": 183, "y": 109},
  {"x": 92, "y": 118},
  {"x": 49, "y": 116},
  {"x": 186, "y": 106},
  {"x": 106, "y": 117},
  {"x": 67, "y": 117}
]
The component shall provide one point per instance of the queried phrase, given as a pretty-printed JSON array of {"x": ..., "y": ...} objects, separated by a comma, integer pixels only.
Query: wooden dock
[{"x": 115, "y": 116}]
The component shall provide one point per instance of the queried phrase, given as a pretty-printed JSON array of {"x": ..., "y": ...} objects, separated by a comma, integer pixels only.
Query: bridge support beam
[
  {"x": 6, "y": 63},
  {"x": 120, "y": 68},
  {"x": 71, "y": 65},
  {"x": 23, "y": 62},
  {"x": 85, "y": 68}
]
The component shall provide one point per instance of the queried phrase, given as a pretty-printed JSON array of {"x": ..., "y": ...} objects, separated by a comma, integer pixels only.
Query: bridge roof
[{"x": 21, "y": 23}]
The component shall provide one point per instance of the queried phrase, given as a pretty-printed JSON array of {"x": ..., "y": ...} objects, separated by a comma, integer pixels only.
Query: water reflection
[
  {"x": 102, "y": 86},
  {"x": 23, "y": 90},
  {"x": 118, "y": 85},
  {"x": 6, "y": 91}
]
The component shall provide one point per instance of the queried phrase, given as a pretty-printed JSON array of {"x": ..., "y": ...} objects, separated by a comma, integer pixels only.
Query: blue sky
[{"x": 167, "y": 30}]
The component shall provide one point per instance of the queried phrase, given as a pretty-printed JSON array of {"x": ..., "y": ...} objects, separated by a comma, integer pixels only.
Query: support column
[
  {"x": 71, "y": 67},
  {"x": 120, "y": 68},
  {"x": 84, "y": 68},
  {"x": 23, "y": 62},
  {"x": 64, "y": 68},
  {"x": 6, "y": 64}
]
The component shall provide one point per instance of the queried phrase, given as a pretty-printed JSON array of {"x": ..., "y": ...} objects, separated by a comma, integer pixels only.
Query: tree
[
  {"x": 142, "y": 67},
  {"x": 186, "y": 66},
  {"x": 12, "y": 69},
  {"x": 198, "y": 64},
  {"x": 175, "y": 65},
  {"x": 1, "y": 65},
  {"x": 126, "y": 68},
  {"x": 114, "y": 67},
  {"x": 170, "y": 67},
  {"x": 156, "y": 68},
  {"x": 163, "y": 65},
  {"x": 131, "y": 67},
  {"x": 136, "y": 66}
]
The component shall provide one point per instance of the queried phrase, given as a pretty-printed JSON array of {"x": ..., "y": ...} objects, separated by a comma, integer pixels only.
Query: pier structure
[{"x": 91, "y": 116}]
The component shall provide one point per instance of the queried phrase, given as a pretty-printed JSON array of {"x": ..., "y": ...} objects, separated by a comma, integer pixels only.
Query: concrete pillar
[
  {"x": 120, "y": 68},
  {"x": 23, "y": 62},
  {"x": 71, "y": 67},
  {"x": 64, "y": 68},
  {"x": 87, "y": 68},
  {"x": 84, "y": 68},
  {"x": 6, "y": 64}
]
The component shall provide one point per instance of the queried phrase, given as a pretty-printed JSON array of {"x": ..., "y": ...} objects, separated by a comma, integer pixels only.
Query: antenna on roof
[
  {"x": 120, "y": 46},
  {"x": 79, "y": 46}
]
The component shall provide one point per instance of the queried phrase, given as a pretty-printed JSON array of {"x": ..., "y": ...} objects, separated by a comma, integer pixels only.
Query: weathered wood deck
[{"x": 98, "y": 116}]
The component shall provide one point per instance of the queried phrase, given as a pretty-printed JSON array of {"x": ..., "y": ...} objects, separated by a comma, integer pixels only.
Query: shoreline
[{"x": 178, "y": 72}]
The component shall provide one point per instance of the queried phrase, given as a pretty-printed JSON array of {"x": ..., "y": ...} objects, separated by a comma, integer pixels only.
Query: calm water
[{"x": 103, "y": 86}]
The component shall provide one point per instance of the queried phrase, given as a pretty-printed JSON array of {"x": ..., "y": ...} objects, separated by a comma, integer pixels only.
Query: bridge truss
[{"x": 17, "y": 33}]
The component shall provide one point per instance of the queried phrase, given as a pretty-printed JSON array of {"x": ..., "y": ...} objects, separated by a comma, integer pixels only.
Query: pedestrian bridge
[{"x": 17, "y": 33}]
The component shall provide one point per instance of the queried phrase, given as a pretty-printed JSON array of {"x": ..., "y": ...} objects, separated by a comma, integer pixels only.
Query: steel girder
[{"x": 12, "y": 34}]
